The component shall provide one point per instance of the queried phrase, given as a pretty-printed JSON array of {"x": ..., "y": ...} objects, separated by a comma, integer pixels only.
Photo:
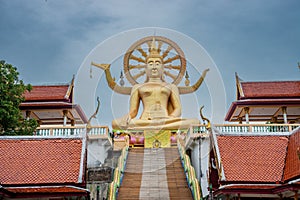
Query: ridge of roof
[
  {"x": 50, "y": 84},
  {"x": 278, "y": 81},
  {"x": 38, "y": 137},
  {"x": 57, "y": 83}
]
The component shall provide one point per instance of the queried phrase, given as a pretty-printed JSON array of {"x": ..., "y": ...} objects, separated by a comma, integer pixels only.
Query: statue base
[{"x": 154, "y": 138}]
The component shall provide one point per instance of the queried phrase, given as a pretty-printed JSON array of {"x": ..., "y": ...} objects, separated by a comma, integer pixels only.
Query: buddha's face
[{"x": 154, "y": 68}]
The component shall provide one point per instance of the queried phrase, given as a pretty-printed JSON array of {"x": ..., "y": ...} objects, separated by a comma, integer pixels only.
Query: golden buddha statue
[{"x": 161, "y": 100}]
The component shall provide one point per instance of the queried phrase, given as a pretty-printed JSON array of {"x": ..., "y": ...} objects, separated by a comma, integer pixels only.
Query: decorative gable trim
[
  {"x": 70, "y": 89},
  {"x": 83, "y": 158},
  {"x": 217, "y": 155},
  {"x": 239, "y": 89}
]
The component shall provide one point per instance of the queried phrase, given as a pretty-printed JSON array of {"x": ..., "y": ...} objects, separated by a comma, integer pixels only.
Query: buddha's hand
[
  {"x": 124, "y": 120},
  {"x": 105, "y": 66},
  {"x": 101, "y": 66},
  {"x": 127, "y": 119}
]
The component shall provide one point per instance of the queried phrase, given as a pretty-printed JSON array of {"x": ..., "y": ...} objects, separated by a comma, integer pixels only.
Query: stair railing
[
  {"x": 118, "y": 175},
  {"x": 189, "y": 172}
]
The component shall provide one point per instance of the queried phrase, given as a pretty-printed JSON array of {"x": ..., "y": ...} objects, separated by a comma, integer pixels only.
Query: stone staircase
[{"x": 154, "y": 174}]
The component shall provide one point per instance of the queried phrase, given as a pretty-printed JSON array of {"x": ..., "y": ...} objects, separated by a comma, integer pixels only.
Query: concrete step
[{"x": 154, "y": 174}]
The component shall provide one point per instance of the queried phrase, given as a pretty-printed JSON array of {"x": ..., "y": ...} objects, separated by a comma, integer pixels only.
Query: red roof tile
[
  {"x": 252, "y": 158},
  {"x": 47, "y": 93},
  {"x": 40, "y": 161},
  {"x": 292, "y": 164},
  {"x": 275, "y": 89}
]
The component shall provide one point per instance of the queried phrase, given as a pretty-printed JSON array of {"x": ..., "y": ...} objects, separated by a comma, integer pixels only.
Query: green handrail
[
  {"x": 118, "y": 174},
  {"x": 190, "y": 173}
]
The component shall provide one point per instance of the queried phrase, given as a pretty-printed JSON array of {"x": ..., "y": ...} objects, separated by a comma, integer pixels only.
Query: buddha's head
[{"x": 154, "y": 63}]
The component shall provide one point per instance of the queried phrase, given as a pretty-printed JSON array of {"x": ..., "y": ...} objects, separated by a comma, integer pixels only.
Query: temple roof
[
  {"x": 251, "y": 158},
  {"x": 41, "y": 161},
  {"x": 48, "y": 103},
  {"x": 265, "y": 101},
  {"x": 272, "y": 89},
  {"x": 258, "y": 164},
  {"x": 49, "y": 93}
]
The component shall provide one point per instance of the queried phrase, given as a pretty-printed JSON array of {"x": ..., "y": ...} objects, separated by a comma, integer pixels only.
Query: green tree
[{"x": 11, "y": 95}]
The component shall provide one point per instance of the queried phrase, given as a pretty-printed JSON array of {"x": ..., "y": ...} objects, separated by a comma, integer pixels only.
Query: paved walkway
[{"x": 154, "y": 180}]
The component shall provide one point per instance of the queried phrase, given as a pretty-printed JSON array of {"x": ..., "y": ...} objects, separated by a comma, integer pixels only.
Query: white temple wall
[
  {"x": 202, "y": 162},
  {"x": 97, "y": 152}
]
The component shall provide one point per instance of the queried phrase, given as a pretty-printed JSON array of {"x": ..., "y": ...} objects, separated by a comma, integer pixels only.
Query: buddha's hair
[{"x": 153, "y": 51}]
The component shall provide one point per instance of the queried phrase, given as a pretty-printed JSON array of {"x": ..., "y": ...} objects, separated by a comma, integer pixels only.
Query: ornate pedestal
[{"x": 146, "y": 138}]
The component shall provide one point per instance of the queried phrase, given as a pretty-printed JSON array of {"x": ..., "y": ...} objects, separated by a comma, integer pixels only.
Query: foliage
[{"x": 11, "y": 96}]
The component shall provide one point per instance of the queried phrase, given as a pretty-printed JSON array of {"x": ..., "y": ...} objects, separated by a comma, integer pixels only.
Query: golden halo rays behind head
[{"x": 171, "y": 54}]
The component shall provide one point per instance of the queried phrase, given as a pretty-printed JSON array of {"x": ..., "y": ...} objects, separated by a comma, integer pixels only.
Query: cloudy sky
[{"x": 48, "y": 40}]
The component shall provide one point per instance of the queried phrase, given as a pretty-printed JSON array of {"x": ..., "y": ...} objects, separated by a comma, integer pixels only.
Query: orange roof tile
[
  {"x": 47, "y": 93},
  {"x": 274, "y": 89},
  {"x": 292, "y": 164},
  {"x": 252, "y": 158},
  {"x": 32, "y": 160}
]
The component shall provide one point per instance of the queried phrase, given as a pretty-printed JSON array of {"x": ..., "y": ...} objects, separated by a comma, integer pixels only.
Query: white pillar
[
  {"x": 284, "y": 115},
  {"x": 247, "y": 114},
  {"x": 65, "y": 112}
]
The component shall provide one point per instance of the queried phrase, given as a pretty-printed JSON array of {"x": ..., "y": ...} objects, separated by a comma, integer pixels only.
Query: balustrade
[
  {"x": 69, "y": 131},
  {"x": 241, "y": 128},
  {"x": 255, "y": 128}
]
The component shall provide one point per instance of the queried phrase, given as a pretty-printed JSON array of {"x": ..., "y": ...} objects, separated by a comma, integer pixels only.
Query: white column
[
  {"x": 284, "y": 115},
  {"x": 65, "y": 112},
  {"x": 247, "y": 114}
]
